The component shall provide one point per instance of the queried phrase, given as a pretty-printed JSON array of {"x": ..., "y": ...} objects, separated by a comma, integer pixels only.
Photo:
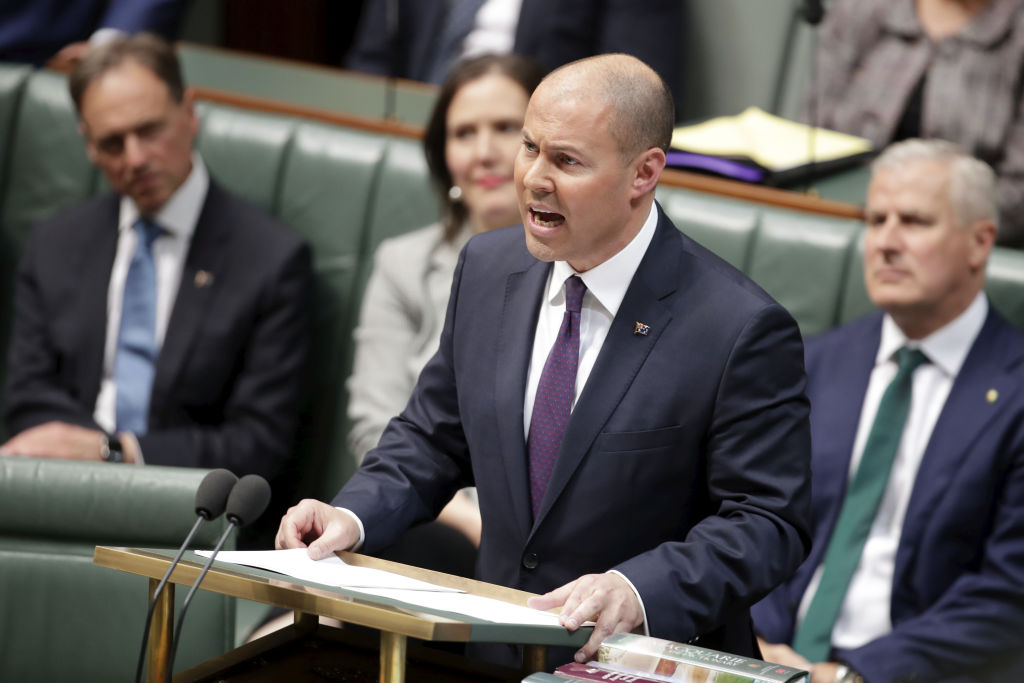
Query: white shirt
[
  {"x": 864, "y": 615},
  {"x": 178, "y": 218},
  {"x": 494, "y": 29}
]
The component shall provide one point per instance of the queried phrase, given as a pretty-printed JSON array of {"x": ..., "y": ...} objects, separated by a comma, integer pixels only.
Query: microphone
[
  {"x": 211, "y": 498},
  {"x": 813, "y": 12},
  {"x": 246, "y": 502}
]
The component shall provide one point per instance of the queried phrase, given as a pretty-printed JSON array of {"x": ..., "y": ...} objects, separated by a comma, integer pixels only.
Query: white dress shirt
[
  {"x": 864, "y": 615},
  {"x": 178, "y": 218},
  {"x": 494, "y": 29}
]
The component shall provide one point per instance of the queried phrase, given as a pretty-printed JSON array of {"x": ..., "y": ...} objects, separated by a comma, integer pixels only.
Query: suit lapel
[
  {"x": 199, "y": 282},
  {"x": 523, "y": 293},
  {"x": 99, "y": 238},
  {"x": 966, "y": 414},
  {"x": 621, "y": 357}
]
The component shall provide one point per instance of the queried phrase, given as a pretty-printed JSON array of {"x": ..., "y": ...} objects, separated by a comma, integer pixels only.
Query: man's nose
[{"x": 134, "y": 150}]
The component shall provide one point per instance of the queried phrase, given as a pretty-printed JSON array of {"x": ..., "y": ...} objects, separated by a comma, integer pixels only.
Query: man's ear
[
  {"x": 982, "y": 237},
  {"x": 90, "y": 150},
  {"x": 648, "y": 167}
]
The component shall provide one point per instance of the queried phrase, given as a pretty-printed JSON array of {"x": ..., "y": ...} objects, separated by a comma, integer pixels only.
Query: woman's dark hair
[{"x": 522, "y": 70}]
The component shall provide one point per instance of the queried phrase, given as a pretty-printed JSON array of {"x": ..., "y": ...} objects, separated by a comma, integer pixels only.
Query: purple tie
[{"x": 555, "y": 392}]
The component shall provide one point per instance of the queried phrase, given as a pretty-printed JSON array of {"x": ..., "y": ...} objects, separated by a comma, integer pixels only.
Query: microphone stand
[{"x": 232, "y": 525}]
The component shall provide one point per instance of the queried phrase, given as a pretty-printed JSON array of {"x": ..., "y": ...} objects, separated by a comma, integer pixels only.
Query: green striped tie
[{"x": 814, "y": 636}]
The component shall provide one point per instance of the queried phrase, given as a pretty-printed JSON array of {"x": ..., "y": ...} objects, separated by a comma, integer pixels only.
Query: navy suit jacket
[
  {"x": 684, "y": 464},
  {"x": 230, "y": 376},
  {"x": 554, "y": 32},
  {"x": 34, "y": 30},
  {"x": 958, "y": 590}
]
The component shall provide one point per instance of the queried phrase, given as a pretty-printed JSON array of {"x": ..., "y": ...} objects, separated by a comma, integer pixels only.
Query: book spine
[{"x": 592, "y": 672}]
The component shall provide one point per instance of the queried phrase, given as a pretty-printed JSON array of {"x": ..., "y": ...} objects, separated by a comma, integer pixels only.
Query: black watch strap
[{"x": 111, "y": 449}]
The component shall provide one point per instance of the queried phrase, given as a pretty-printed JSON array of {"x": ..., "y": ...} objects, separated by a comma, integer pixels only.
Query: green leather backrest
[
  {"x": 800, "y": 259},
  {"x": 724, "y": 226},
  {"x": 66, "y": 619},
  {"x": 329, "y": 174},
  {"x": 245, "y": 151},
  {"x": 1005, "y": 284}
]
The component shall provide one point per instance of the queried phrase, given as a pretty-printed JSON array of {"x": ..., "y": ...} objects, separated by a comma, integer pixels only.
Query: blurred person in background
[{"x": 889, "y": 70}]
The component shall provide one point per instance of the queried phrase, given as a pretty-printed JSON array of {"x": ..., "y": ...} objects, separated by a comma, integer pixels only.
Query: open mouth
[{"x": 546, "y": 219}]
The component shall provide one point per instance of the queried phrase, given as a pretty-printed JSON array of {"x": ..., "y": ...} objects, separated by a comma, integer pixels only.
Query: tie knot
[
  {"x": 908, "y": 360},
  {"x": 147, "y": 231},
  {"x": 574, "y": 291}
]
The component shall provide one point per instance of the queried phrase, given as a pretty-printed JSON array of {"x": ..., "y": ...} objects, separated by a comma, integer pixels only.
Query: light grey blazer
[{"x": 399, "y": 327}]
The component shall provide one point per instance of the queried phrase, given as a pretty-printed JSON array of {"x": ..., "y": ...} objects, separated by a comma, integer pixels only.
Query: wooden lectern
[{"x": 309, "y": 651}]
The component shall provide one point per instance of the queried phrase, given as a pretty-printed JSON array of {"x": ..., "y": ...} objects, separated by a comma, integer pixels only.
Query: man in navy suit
[
  {"x": 679, "y": 493},
  {"x": 403, "y": 38},
  {"x": 937, "y": 593},
  {"x": 228, "y": 295}
]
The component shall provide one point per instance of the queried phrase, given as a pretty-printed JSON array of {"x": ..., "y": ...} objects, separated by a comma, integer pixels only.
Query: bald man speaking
[{"x": 630, "y": 407}]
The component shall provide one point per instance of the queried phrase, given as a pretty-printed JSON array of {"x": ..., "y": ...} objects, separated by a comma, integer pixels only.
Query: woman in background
[
  {"x": 889, "y": 70},
  {"x": 470, "y": 143}
]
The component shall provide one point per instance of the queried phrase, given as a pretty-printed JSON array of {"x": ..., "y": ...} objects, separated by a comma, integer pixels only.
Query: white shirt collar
[
  {"x": 608, "y": 281},
  {"x": 181, "y": 212},
  {"x": 946, "y": 347}
]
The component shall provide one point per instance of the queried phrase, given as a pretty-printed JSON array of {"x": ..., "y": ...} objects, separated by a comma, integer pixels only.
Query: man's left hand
[
  {"x": 605, "y": 598},
  {"x": 56, "y": 440},
  {"x": 824, "y": 672}
]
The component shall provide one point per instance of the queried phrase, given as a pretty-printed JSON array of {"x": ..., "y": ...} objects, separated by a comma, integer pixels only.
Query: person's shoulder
[
  {"x": 419, "y": 241},
  {"x": 258, "y": 227},
  {"x": 91, "y": 209}
]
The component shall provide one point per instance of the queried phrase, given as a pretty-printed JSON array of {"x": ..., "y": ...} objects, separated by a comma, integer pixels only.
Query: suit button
[{"x": 530, "y": 560}]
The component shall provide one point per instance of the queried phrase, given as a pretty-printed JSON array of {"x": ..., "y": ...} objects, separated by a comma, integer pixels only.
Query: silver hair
[{"x": 972, "y": 182}]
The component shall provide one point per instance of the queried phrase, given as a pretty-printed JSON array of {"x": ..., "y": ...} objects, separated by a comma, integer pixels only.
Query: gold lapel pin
[
  {"x": 204, "y": 278},
  {"x": 991, "y": 395},
  {"x": 641, "y": 329}
]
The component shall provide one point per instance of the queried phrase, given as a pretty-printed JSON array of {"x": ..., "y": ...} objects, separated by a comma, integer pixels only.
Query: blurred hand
[
  {"x": 68, "y": 56},
  {"x": 825, "y": 672},
  {"x": 320, "y": 528},
  {"x": 780, "y": 653},
  {"x": 607, "y": 599},
  {"x": 56, "y": 440}
]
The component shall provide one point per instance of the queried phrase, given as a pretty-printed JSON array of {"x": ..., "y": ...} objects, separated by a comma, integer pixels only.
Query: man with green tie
[{"x": 917, "y": 418}]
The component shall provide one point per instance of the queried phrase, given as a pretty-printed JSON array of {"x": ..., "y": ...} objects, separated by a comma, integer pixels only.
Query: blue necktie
[
  {"x": 458, "y": 23},
  {"x": 553, "y": 403},
  {"x": 135, "y": 362}
]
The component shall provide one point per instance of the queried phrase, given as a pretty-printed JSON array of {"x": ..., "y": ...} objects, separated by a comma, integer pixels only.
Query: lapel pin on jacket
[
  {"x": 641, "y": 329},
  {"x": 203, "y": 278},
  {"x": 992, "y": 396}
]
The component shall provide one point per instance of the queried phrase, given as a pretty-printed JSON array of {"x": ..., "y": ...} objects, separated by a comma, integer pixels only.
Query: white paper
[
  {"x": 330, "y": 571},
  {"x": 471, "y": 605},
  {"x": 333, "y": 571}
]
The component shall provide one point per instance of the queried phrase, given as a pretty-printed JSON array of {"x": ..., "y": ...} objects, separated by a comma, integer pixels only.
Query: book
[
  {"x": 667, "y": 660},
  {"x": 759, "y": 147},
  {"x": 594, "y": 671}
]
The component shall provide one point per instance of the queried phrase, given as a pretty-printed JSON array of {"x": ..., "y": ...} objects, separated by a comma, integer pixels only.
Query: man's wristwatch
[
  {"x": 845, "y": 674},
  {"x": 111, "y": 450}
]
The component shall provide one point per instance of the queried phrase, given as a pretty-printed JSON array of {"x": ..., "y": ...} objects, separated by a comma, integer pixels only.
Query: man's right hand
[
  {"x": 320, "y": 528},
  {"x": 780, "y": 653}
]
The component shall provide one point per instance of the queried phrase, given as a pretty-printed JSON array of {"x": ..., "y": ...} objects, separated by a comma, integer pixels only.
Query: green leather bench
[
  {"x": 66, "y": 619},
  {"x": 345, "y": 190}
]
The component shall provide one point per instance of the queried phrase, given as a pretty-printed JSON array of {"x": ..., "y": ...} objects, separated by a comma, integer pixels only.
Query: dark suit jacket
[
  {"x": 684, "y": 464},
  {"x": 958, "y": 591},
  {"x": 231, "y": 372},
  {"x": 34, "y": 30},
  {"x": 554, "y": 32}
]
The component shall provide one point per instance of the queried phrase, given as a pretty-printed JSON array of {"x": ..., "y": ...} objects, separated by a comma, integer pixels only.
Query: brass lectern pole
[
  {"x": 159, "y": 649},
  {"x": 392, "y": 657}
]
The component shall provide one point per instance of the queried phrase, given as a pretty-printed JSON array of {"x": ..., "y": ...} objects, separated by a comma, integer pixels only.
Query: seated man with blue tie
[
  {"x": 917, "y": 424},
  {"x": 165, "y": 322},
  {"x": 628, "y": 405}
]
